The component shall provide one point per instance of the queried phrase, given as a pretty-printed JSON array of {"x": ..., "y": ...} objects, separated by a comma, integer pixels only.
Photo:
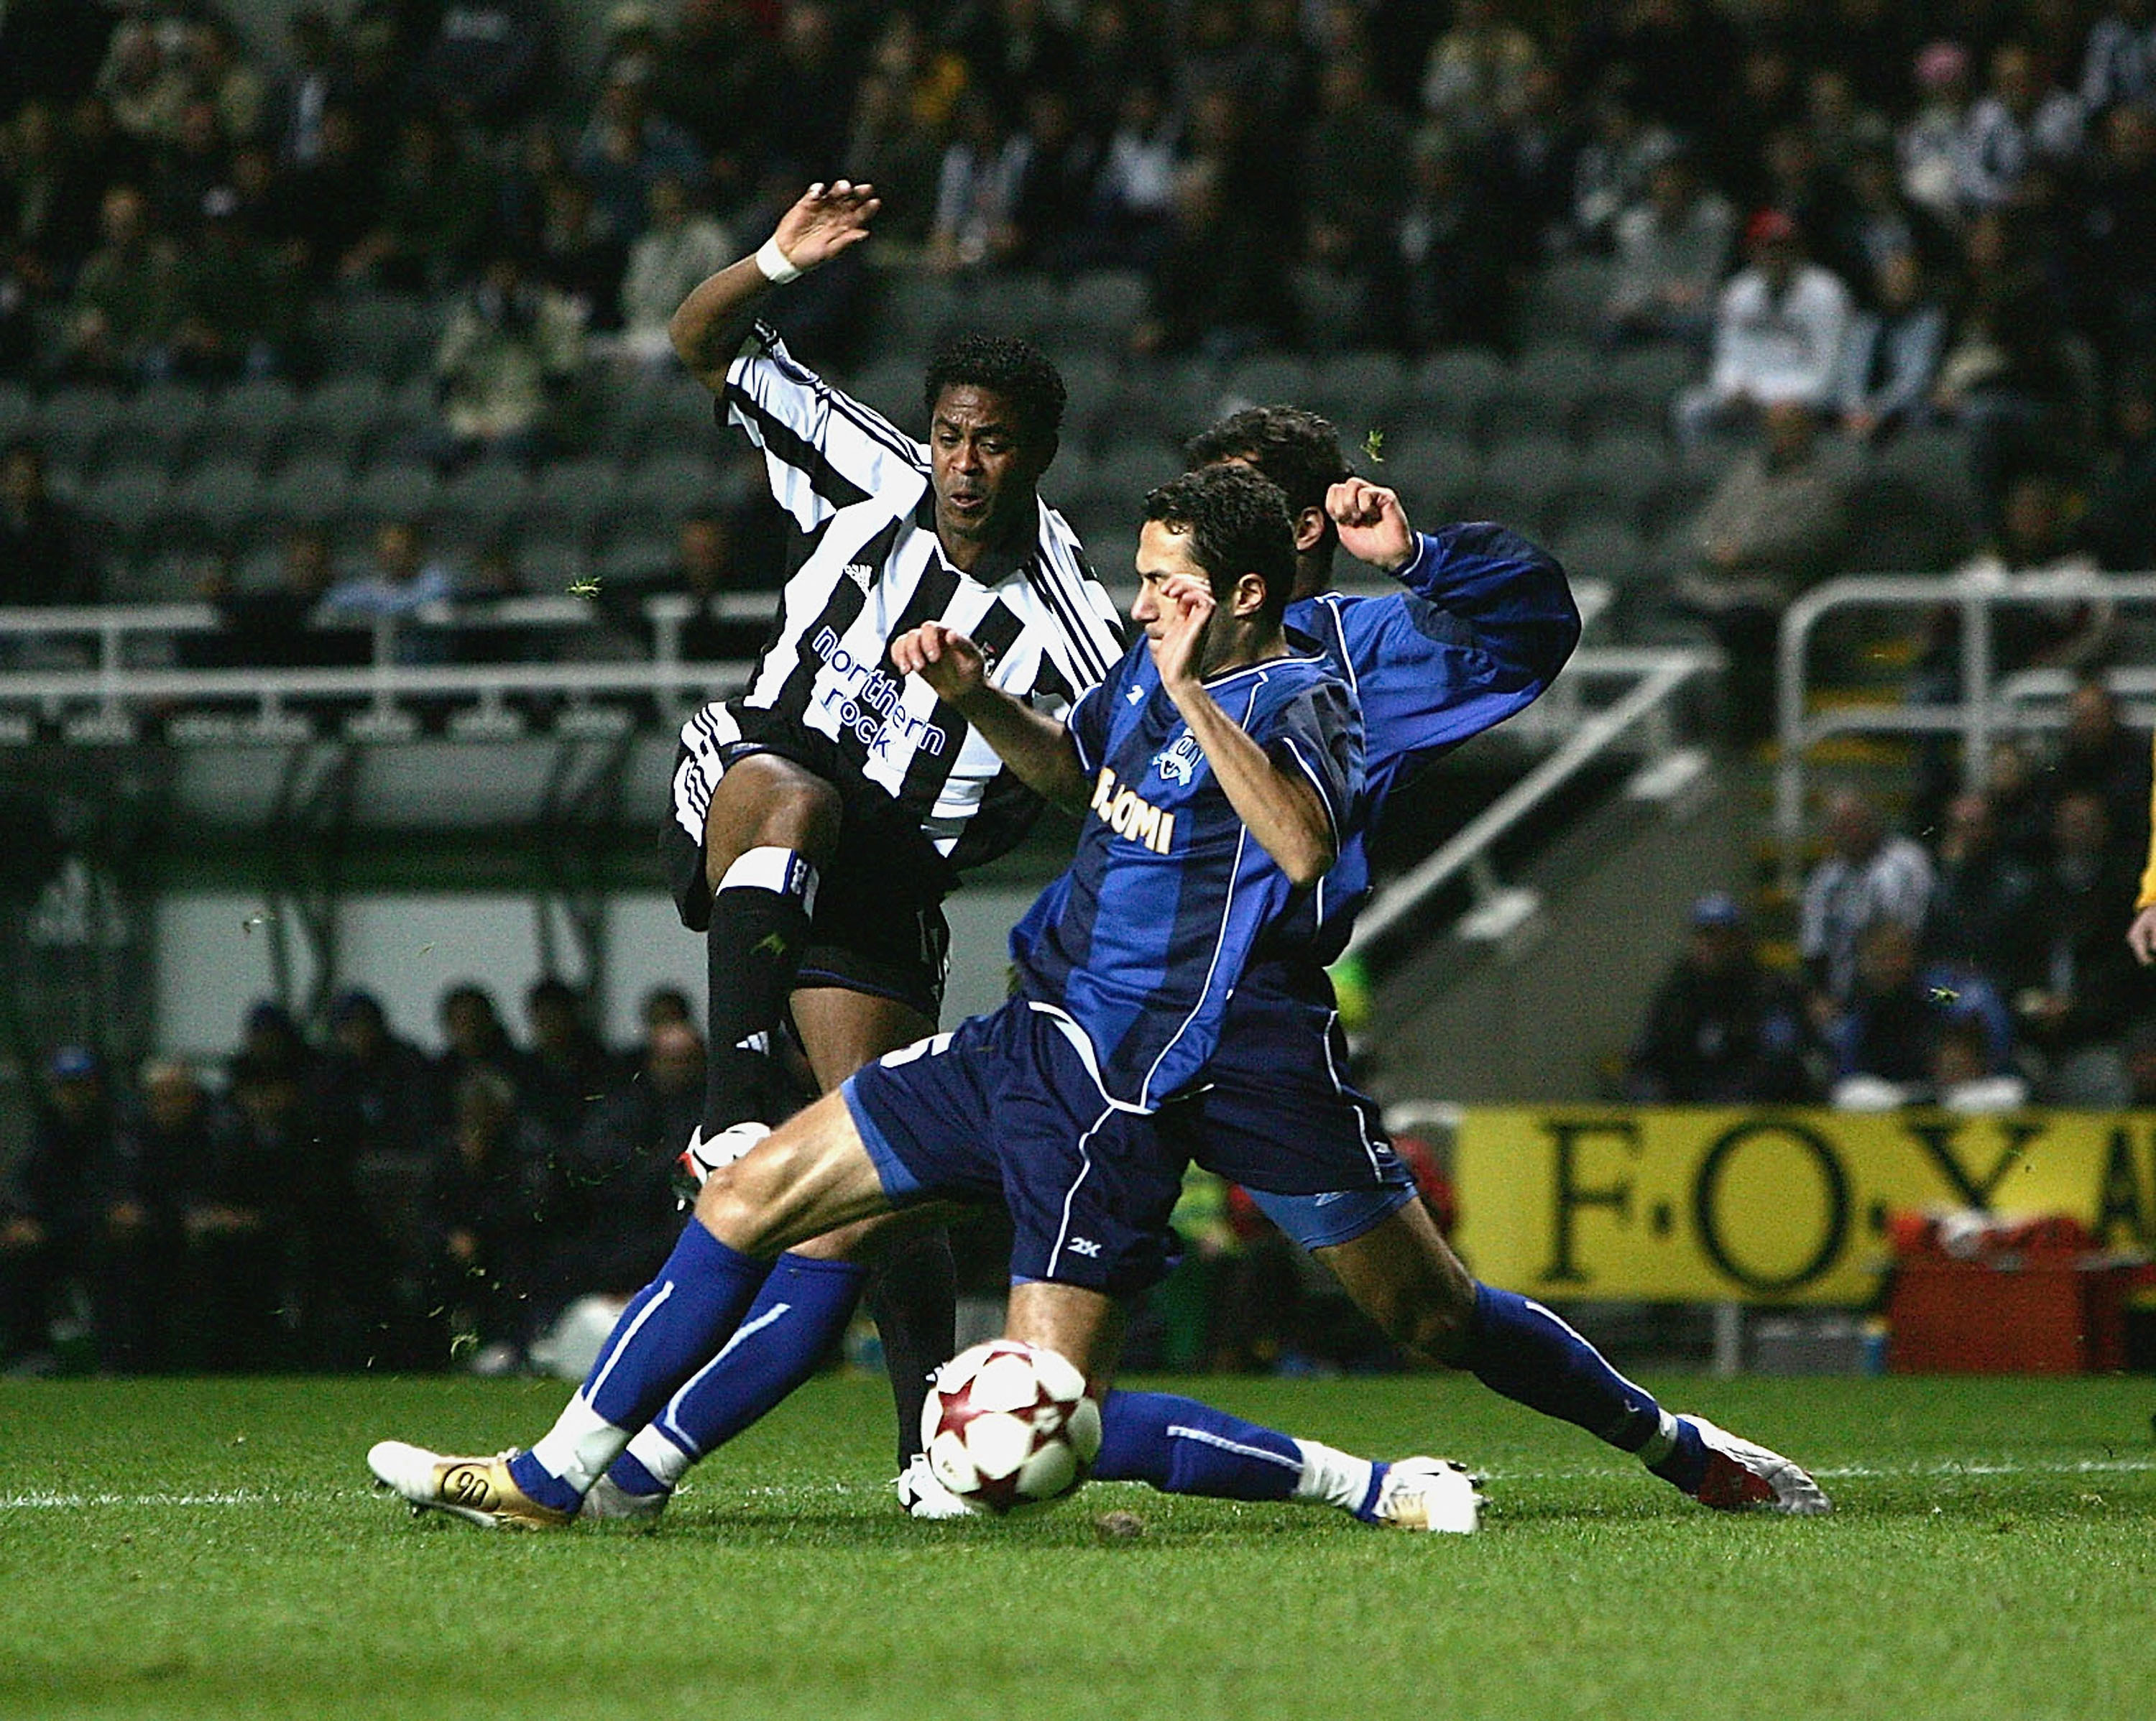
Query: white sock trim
[
  {"x": 1332, "y": 1477},
  {"x": 580, "y": 1445},
  {"x": 783, "y": 872},
  {"x": 1659, "y": 1445},
  {"x": 666, "y": 1462}
]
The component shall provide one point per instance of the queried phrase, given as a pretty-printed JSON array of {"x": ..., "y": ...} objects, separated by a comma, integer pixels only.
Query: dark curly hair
[
  {"x": 1298, "y": 450},
  {"x": 1238, "y": 523},
  {"x": 1001, "y": 364}
]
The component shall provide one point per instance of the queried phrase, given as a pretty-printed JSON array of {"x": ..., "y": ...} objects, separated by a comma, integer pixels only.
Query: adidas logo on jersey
[
  {"x": 861, "y": 573},
  {"x": 1129, "y": 814}
]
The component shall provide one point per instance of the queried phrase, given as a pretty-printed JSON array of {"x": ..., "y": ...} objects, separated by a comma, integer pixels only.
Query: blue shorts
[
  {"x": 1006, "y": 1108},
  {"x": 1277, "y": 1115}
]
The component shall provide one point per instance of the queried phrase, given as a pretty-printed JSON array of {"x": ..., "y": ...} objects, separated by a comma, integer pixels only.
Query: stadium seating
[
  {"x": 393, "y": 488},
  {"x": 313, "y": 489},
  {"x": 1359, "y": 392},
  {"x": 1521, "y": 480},
  {"x": 1448, "y": 390}
]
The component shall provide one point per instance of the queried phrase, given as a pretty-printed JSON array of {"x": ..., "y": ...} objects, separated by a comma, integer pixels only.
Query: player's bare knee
[{"x": 764, "y": 801}]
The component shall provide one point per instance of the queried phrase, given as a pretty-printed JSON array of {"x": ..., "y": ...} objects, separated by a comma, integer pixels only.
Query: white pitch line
[{"x": 1943, "y": 1470}]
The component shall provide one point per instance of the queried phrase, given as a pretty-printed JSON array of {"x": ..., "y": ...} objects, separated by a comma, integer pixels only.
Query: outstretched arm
[
  {"x": 1038, "y": 748},
  {"x": 708, "y": 327}
]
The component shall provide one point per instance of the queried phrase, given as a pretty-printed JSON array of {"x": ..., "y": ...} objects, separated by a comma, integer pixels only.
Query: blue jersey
[
  {"x": 1142, "y": 941},
  {"x": 1485, "y": 624}
]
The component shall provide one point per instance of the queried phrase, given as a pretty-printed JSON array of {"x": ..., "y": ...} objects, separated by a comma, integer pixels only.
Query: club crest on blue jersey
[
  {"x": 1129, "y": 814},
  {"x": 1178, "y": 762}
]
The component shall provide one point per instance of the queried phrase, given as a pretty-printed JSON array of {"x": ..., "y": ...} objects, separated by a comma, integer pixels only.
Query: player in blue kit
[
  {"x": 1216, "y": 770},
  {"x": 1483, "y": 624}
]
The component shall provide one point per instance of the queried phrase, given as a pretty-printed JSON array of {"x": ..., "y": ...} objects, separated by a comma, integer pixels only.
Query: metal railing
[
  {"x": 1986, "y": 706},
  {"x": 1641, "y": 719}
]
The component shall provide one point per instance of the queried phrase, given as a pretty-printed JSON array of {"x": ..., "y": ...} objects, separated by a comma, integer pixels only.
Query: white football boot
[
  {"x": 1428, "y": 1494},
  {"x": 924, "y": 1496}
]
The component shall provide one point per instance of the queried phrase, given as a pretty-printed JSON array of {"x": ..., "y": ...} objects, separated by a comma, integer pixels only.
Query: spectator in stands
[
  {"x": 1983, "y": 911},
  {"x": 2119, "y": 527},
  {"x": 1052, "y": 188},
  {"x": 617, "y": 1219},
  {"x": 232, "y": 1223},
  {"x": 2098, "y": 755},
  {"x": 488, "y": 62},
  {"x": 274, "y": 628},
  {"x": 679, "y": 246},
  {"x": 889, "y": 145},
  {"x": 2113, "y": 212},
  {"x": 435, "y": 204},
  {"x": 126, "y": 303},
  {"x": 82, "y": 1212},
  {"x": 1877, "y": 224},
  {"x": 1134, "y": 195},
  {"x": 1220, "y": 288},
  {"x": 975, "y": 188},
  {"x": 494, "y": 1184},
  {"x": 44, "y": 557},
  {"x": 401, "y": 587},
  {"x": 2081, "y": 990},
  {"x": 378, "y": 1116},
  {"x": 2118, "y": 58},
  {"x": 626, "y": 147},
  {"x": 1533, "y": 158},
  {"x": 2022, "y": 130},
  {"x": 1350, "y": 186},
  {"x": 2009, "y": 377},
  {"x": 1775, "y": 525},
  {"x": 49, "y": 200},
  {"x": 185, "y": 172},
  {"x": 313, "y": 81},
  {"x": 712, "y": 563},
  {"x": 1886, "y": 1037},
  {"x": 1670, "y": 249},
  {"x": 576, "y": 252},
  {"x": 252, "y": 1220},
  {"x": 565, "y": 1070},
  {"x": 1868, "y": 874},
  {"x": 1477, "y": 70},
  {"x": 240, "y": 301},
  {"x": 1927, "y": 147},
  {"x": 328, "y": 209},
  {"x": 144, "y": 78},
  {"x": 1890, "y": 358},
  {"x": 473, "y": 1038},
  {"x": 1722, "y": 1029},
  {"x": 1778, "y": 328},
  {"x": 2035, "y": 543},
  {"x": 507, "y": 366},
  {"x": 1443, "y": 275},
  {"x": 1613, "y": 162}
]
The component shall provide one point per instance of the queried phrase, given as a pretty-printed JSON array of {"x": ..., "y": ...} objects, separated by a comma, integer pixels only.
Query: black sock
[
  {"x": 913, "y": 1294},
  {"x": 759, "y": 927}
]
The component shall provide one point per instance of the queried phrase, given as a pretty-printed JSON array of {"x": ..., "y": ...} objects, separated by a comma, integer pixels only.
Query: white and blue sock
[
  {"x": 670, "y": 1327},
  {"x": 788, "y": 1330},
  {"x": 1181, "y": 1446},
  {"x": 1518, "y": 1347}
]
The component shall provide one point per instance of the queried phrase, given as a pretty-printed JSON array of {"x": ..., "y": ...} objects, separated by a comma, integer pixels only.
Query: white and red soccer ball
[{"x": 1008, "y": 1425}]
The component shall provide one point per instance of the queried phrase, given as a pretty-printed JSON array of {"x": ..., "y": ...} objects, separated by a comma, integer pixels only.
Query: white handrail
[
  {"x": 1985, "y": 708},
  {"x": 1659, "y": 674}
]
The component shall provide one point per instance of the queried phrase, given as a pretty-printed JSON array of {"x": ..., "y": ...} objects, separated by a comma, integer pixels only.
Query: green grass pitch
[{"x": 176, "y": 1549}]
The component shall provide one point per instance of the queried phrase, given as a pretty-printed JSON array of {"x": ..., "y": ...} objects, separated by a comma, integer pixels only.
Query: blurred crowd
[
  {"x": 357, "y": 1202},
  {"x": 1977, "y": 961}
]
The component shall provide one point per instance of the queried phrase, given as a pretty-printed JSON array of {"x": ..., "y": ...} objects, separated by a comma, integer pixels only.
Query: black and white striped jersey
[{"x": 867, "y": 567}]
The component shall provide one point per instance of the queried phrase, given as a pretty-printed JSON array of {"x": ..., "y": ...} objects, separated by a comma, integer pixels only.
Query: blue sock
[
  {"x": 802, "y": 1309},
  {"x": 670, "y": 1327},
  {"x": 1518, "y": 1347},
  {"x": 1686, "y": 1466},
  {"x": 1181, "y": 1446}
]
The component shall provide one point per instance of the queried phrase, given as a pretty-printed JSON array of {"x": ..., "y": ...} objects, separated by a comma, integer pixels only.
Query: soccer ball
[{"x": 1008, "y": 1424}]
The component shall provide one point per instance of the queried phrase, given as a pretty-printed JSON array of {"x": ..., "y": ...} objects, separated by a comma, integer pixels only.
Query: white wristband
[{"x": 777, "y": 267}]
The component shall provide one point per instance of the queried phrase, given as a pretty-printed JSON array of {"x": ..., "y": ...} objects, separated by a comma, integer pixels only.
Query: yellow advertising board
[{"x": 1680, "y": 1203}]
